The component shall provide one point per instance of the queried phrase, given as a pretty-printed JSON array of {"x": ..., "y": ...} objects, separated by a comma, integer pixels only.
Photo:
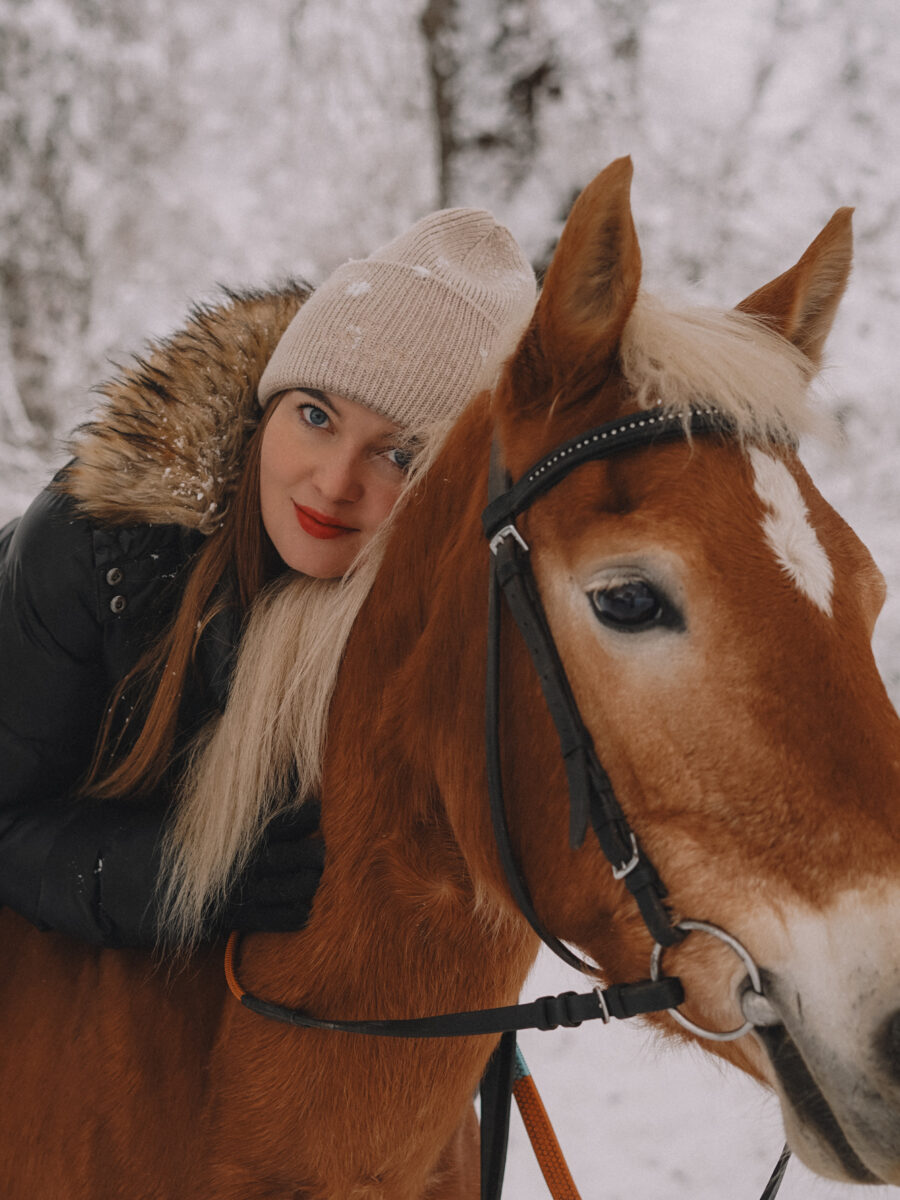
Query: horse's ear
[
  {"x": 801, "y": 303},
  {"x": 593, "y": 279}
]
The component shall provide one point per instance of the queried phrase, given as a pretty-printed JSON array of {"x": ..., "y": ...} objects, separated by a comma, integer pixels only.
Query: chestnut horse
[{"x": 714, "y": 617}]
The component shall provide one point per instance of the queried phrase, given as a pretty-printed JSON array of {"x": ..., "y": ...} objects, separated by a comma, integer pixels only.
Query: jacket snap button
[
  {"x": 113, "y": 576},
  {"x": 118, "y": 604}
]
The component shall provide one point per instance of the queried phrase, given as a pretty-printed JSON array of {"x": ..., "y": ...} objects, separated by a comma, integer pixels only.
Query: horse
[{"x": 713, "y": 616}]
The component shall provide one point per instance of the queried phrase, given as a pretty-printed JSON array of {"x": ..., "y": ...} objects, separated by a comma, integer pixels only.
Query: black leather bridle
[
  {"x": 592, "y": 800},
  {"x": 591, "y": 797}
]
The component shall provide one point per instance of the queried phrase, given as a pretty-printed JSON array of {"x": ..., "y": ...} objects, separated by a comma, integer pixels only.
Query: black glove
[
  {"x": 275, "y": 892},
  {"x": 91, "y": 869}
]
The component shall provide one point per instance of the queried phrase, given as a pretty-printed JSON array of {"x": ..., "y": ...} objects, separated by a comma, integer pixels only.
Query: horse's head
[{"x": 714, "y": 616}]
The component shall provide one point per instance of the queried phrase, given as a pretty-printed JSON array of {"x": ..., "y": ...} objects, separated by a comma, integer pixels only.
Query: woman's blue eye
[
  {"x": 314, "y": 415},
  {"x": 400, "y": 458}
]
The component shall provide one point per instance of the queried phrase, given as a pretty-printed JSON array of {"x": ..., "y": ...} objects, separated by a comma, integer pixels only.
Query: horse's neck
[{"x": 402, "y": 925}]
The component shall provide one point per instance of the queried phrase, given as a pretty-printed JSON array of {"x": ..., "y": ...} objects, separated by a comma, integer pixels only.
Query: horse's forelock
[{"x": 677, "y": 357}]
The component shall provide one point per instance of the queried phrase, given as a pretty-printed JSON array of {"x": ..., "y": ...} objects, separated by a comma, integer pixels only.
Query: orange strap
[
  {"x": 543, "y": 1140},
  {"x": 230, "y": 978}
]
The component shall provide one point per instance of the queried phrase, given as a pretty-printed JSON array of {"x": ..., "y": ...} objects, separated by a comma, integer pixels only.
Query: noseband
[{"x": 592, "y": 802}]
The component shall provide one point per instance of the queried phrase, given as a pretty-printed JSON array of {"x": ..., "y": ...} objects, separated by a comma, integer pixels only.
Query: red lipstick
[{"x": 317, "y": 525}]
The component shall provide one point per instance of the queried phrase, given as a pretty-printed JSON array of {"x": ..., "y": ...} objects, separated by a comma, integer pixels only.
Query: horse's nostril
[{"x": 889, "y": 1044}]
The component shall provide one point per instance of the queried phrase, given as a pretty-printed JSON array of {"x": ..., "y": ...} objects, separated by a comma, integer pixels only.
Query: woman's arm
[{"x": 86, "y": 868}]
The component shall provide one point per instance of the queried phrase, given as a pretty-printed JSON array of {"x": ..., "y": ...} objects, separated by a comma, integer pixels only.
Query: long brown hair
[{"x": 238, "y": 551}]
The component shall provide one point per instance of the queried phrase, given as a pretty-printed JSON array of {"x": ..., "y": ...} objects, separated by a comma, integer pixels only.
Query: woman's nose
[{"x": 339, "y": 476}]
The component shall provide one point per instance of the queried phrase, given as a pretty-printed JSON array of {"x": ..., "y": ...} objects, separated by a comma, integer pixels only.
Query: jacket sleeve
[{"x": 88, "y": 869}]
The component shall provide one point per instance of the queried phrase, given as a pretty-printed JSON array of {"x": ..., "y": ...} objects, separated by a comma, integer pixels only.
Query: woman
[{"x": 267, "y": 442}]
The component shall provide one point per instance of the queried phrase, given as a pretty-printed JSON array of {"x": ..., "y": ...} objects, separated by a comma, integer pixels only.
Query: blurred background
[{"x": 151, "y": 151}]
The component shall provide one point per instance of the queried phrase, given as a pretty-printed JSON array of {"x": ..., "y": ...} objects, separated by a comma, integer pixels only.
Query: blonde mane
[
  {"x": 265, "y": 752},
  {"x": 678, "y": 357}
]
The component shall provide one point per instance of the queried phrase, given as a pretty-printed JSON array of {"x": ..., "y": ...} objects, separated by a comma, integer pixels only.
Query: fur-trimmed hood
[{"x": 167, "y": 444}]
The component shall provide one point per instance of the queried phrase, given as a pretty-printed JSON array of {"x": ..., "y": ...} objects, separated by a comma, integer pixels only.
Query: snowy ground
[{"x": 639, "y": 1119}]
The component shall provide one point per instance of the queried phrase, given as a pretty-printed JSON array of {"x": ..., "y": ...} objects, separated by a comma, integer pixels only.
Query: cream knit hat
[{"x": 417, "y": 328}]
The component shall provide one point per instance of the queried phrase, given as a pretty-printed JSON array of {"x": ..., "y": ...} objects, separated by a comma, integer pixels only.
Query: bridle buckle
[
  {"x": 605, "y": 1015},
  {"x": 502, "y": 534},
  {"x": 627, "y": 867}
]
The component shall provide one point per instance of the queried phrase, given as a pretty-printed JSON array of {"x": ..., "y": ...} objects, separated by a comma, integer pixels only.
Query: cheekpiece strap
[{"x": 592, "y": 799}]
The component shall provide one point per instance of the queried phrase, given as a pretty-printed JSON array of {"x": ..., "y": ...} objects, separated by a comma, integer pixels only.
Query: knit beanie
[{"x": 417, "y": 328}]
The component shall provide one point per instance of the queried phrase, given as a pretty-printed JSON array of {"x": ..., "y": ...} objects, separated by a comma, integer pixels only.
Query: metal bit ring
[{"x": 729, "y": 1035}]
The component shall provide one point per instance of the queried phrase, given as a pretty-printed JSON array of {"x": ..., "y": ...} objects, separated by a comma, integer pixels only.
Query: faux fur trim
[{"x": 167, "y": 444}]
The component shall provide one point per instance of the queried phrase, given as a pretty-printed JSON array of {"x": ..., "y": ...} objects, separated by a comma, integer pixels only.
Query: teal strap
[{"x": 520, "y": 1071}]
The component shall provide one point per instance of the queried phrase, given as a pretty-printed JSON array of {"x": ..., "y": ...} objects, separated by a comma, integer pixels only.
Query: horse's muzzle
[{"x": 841, "y": 1100}]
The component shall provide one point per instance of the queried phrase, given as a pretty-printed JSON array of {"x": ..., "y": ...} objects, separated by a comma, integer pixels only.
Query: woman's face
[{"x": 330, "y": 472}]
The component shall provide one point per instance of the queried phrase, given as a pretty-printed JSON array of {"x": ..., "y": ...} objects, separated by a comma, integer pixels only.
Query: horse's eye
[{"x": 631, "y": 607}]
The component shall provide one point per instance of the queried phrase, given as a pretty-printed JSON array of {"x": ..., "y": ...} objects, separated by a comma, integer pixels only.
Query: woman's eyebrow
[{"x": 320, "y": 398}]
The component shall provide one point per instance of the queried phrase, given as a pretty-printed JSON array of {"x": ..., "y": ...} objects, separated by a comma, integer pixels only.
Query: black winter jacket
[
  {"x": 78, "y": 604},
  {"x": 89, "y": 576}
]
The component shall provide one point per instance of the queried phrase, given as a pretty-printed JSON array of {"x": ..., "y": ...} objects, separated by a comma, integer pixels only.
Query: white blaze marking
[{"x": 789, "y": 532}]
